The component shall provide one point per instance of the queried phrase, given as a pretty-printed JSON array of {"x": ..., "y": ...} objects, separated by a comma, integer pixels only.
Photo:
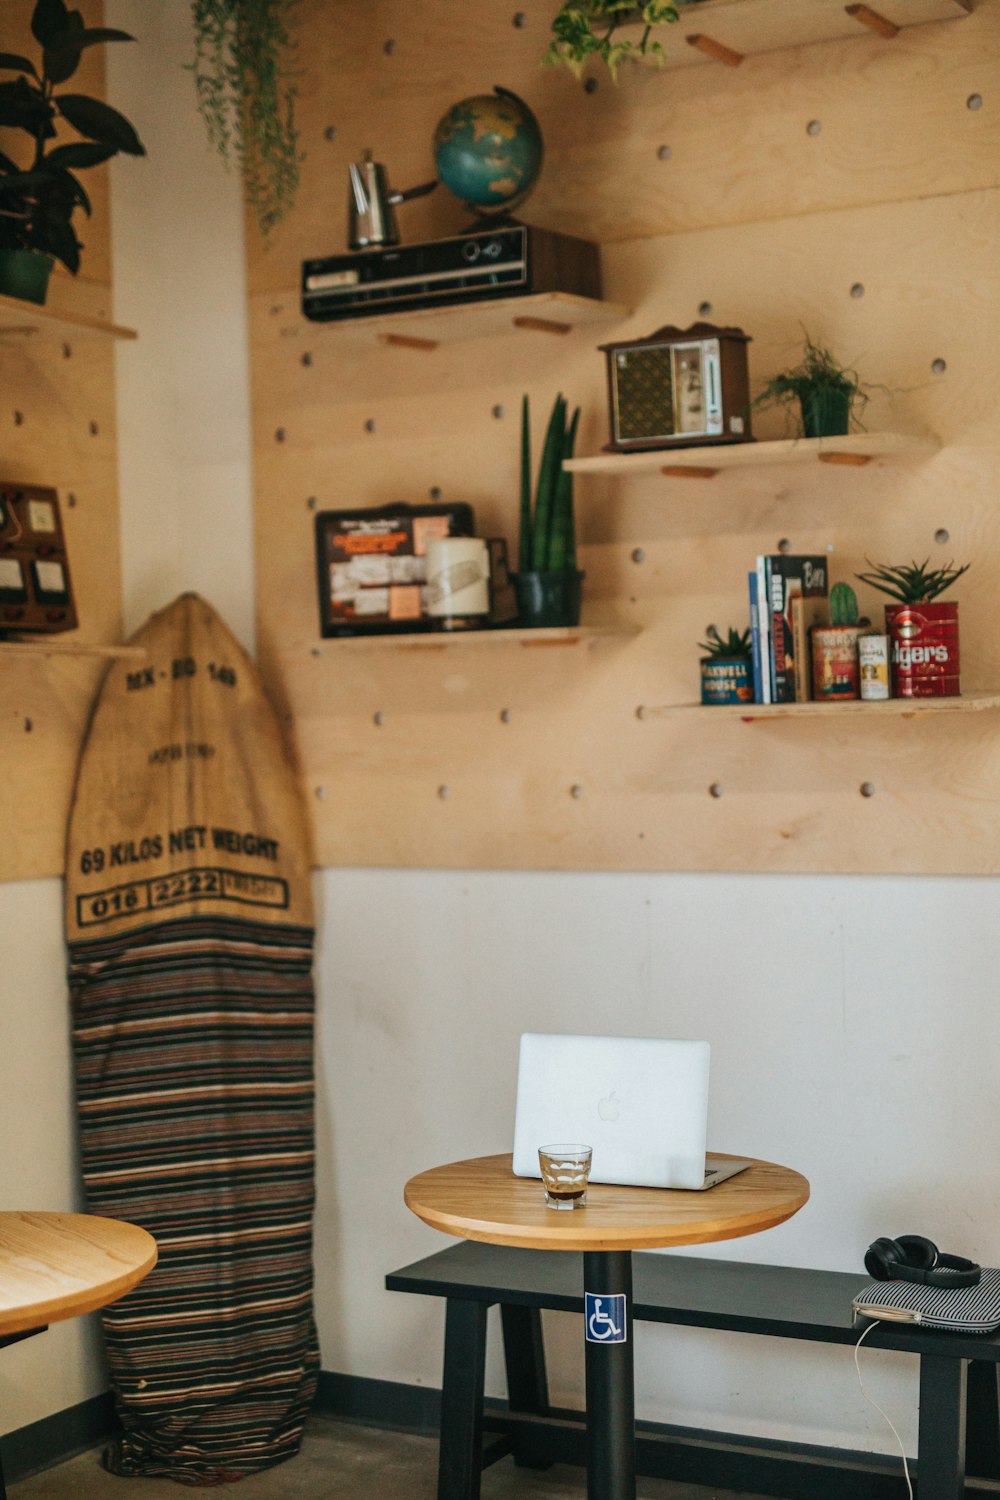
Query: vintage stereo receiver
[
  {"x": 512, "y": 260},
  {"x": 35, "y": 588},
  {"x": 679, "y": 388}
]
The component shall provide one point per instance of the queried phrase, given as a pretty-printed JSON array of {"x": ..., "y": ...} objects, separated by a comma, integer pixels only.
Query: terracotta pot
[{"x": 923, "y": 649}]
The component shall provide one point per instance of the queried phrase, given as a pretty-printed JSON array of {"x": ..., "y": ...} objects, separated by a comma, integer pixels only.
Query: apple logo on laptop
[{"x": 608, "y": 1108}]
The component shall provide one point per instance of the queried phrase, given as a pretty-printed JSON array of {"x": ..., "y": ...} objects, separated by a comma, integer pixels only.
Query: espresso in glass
[{"x": 565, "y": 1169}]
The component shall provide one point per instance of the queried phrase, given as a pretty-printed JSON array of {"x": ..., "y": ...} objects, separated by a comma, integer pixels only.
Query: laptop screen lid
[{"x": 640, "y": 1102}]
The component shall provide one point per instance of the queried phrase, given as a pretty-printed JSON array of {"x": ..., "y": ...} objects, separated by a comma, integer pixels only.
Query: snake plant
[{"x": 547, "y": 541}]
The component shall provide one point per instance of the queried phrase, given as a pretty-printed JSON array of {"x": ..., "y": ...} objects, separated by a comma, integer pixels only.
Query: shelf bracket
[
  {"x": 718, "y": 51},
  {"x": 872, "y": 19},
  {"x": 687, "y": 471},
  {"x": 542, "y": 325},
  {"x": 855, "y": 460},
  {"x": 406, "y": 341}
]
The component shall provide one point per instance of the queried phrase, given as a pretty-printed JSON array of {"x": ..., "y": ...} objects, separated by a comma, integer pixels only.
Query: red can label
[{"x": 924, "y": 650}]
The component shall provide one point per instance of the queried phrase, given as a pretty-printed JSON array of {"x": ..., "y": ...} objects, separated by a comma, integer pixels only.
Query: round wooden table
[
  {"x": 55, "y": 1266},
  {"x": 483, "y": 1200}
]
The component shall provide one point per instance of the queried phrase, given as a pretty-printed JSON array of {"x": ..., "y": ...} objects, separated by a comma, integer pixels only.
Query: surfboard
[{"x": 190, "y": 933}]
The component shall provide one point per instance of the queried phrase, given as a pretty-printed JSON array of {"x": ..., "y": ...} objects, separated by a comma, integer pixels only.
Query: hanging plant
[
  {"x": 583, "y": 29},
  {"x": 246, "y": 95}
]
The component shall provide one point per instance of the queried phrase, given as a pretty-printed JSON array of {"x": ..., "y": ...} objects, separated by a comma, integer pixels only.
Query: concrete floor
[{"x": 342, "y": 1462}]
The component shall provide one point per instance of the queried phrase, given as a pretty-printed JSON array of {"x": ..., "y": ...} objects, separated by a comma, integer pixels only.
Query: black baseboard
[
  {"x": 793, "y": 1471},
  {"x": 52, "y": 1440}
]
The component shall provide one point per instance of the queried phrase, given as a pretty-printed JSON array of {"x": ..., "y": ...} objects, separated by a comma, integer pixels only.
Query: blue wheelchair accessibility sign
[{"x": 605, "y": 1319}]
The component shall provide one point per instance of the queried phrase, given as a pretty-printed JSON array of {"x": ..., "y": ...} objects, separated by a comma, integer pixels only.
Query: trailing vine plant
[
  {"x": 246, "y": 95},
  {"x": 583, "y": 29}
]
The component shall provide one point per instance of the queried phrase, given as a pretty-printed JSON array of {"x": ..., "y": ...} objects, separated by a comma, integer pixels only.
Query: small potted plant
[
  {"x": 585, "y": 29},
  {"x": 836, "y": 673},
  {"x": 924, "y": 657},
  {"x": 548, "y": 583},
  {"x": 40, "y": 195},
  {"x": 726, "y": 672},
  {"x": 826, "y": 393}
]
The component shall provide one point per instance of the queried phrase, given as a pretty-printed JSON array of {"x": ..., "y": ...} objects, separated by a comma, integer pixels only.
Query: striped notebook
[{"x": 963, "y": 1309}]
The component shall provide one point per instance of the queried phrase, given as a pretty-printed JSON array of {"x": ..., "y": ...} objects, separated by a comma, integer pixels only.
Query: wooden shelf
[
  {"x": 856, "y": 450},
  {"x": 900, "y": 708},
  {"x": 69, "y": 648},
  {"x": 542, "y": 315},
  {"x": 440, "y": 640},
  {"x": 26, "y": 320},
  {"x": 727, "y": 31}
]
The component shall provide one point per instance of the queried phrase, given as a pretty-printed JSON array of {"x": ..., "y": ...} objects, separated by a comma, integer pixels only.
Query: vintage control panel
[{"x": 36, "y": 592}]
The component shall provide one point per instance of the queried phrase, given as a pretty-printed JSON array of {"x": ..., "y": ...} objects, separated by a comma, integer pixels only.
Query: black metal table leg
[
  {"x": 941, "y": 1443},
  {"x": 460, "y": 1459},
  {"x": 607, "y": 1282},
  {"x": 982, "y": 1427},
  {"x": 524, "y": 1358}
]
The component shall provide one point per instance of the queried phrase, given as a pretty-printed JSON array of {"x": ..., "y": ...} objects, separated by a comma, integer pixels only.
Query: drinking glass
[{"x": 565, "y": 1170}]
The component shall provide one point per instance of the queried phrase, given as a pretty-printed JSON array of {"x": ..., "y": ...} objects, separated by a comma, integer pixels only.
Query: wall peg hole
[
  {"x": 435, "y": 492},
  {"x": 664, "y": 153},
  {"x": 280, "y": 434},
  {"x": 519, "y": 19},
  {"x": 67, "y": 351},
  {"x": 505, "y": 716},
  {"x": 378, "y": 718},
  {"x": 29, "y": 725},
  {"x": 705, "y": 309},
  {"x": 974, "y": 101},
  {"x": 71, "y": 499},
  {"x": 638, "y": 554},
  {"x": 320, "y": 793},
  {"x": 370, "y": 425},
  {"x": 307, "y": 359},
  {"x": 867, "y": 789},
  {"x": 443, "y": 793},
  {"x": 857, "y": 290},
  {"x": 814, "y": 127},
  {"x": 590, "y": 87},
  {"x": 19, "y": 419},
  {"x": 576, "y": 791},
  {"x": 784, "y": 545},
  {"x": 311, "y": 503},
  {"x": 330, "y": 133},
  {"x": 941, "y": 536},
  {"x": 498, "y": 411},
  {"x": 389, "y": 47},
  {"x": 715, "y": 790},
  {"x": 938, "y": 366}
]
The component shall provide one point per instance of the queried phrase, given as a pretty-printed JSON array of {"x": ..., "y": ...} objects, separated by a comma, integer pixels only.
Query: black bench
[{"x": 959, "y": 1429}]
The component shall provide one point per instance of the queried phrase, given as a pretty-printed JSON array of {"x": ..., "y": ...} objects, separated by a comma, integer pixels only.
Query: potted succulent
[
  {"x": 924, "y": 657},
  {"x": 583, "y": 29},
  {"x": 836, "y": 672},
  {"x": 826, "y": 393},
  {"x": 40, "y": 194},
  {"x": 726, "y": 671},
  {"x": 548, "y": 583}
]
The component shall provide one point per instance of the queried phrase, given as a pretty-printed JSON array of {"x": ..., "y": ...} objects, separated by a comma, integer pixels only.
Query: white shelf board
[
  {"x": 426, "y": 327},
  {"x": 699, "y": 463},
  {"x": 750, "y": 27},
  {"x": 901, "y": 708},
  {"x": 26, "y": 320},
  {"x": 449, "y": 640}
]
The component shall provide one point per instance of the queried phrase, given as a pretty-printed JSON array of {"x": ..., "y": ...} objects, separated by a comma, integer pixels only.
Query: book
[
  {"x": 789, "y": 576},
  {"x": 805, "y": 613},
  {"x": 764, "y": 628},
  {"x": 754, "y": 637}
]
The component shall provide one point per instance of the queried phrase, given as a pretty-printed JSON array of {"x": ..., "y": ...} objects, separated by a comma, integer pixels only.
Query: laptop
[{"x": 640, "y": 1102}]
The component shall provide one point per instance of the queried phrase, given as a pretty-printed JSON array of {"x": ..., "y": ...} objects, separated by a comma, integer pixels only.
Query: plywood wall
[
  {"x": 848, "y": 187},
  {"x": 57, "y": 427}
]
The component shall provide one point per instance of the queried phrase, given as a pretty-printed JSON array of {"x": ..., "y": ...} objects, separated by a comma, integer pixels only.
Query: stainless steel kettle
[{"x": 371, "y": 205}]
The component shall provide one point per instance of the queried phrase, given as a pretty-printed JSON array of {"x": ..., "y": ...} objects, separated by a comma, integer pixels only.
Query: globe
[{"x": 488, "y": 151}]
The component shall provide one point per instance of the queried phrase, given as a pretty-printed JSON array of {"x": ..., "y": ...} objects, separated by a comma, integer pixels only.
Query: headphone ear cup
[
  {"x": 882, "y": 1254},
  {"x": 918, "y": 1252}
]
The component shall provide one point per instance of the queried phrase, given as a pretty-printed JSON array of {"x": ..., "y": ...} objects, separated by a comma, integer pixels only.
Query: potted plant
[
  {"x": 583, "y": 29},
  {"x": 825, "y": 392},
  {"x": 923, "y": 630},
  {"x": 548, "y": 584},
  {"x": 726, "y": 672},
  {"x": 835, "y": 648},
  {"x": 40, "y": 194},
  {"x": 243, "y": 78}
]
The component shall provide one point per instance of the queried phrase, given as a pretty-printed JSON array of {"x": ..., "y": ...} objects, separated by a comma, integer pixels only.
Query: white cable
[{"x": 871, "y": 1402}]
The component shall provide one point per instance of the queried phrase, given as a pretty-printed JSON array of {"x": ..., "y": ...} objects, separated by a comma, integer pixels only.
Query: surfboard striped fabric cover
[{"x": 190, "y": 939}]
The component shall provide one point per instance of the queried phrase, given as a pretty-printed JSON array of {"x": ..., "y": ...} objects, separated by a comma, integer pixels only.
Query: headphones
[{"x": 913, "y": 1258}]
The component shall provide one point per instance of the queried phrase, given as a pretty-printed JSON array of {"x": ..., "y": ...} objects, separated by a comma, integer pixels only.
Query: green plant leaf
[
  {"x": 17, "y": 63},
  {"x": 63, "y": 58},
  {"x": 562, "y": 534},
  {"x": 79, "y": 154},
  {"x": 49, "y": 19},
  {"x": 548, "y": 474},
  {"x": 524, "y": 539},
  {"x": 99, "y": 122}
]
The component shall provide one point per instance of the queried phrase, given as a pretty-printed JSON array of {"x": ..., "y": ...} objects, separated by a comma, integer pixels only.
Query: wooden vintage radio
[
  {"x": 679, "y": 388},
  {"x": 35, "y": 588}
]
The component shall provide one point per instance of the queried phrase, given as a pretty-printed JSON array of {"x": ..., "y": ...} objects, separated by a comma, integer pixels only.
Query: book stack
[{"x": 787, "y": 597}]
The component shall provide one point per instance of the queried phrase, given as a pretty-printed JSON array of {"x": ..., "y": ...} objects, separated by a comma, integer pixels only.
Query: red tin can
[{"x": 923, "y": 646}]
